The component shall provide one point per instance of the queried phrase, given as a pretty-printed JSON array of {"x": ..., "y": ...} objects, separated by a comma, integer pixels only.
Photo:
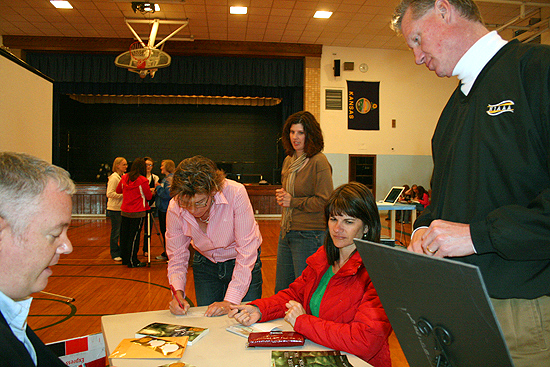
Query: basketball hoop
[
  {"x": 146, "y": 59},
  {"x": 140, "y": 54}
]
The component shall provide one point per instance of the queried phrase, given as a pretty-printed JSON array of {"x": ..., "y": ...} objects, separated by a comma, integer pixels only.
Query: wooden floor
[{"x": 101, "y": 286}]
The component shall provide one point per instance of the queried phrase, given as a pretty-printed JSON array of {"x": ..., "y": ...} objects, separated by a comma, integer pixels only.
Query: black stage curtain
[{"x": 187, "y": 75}]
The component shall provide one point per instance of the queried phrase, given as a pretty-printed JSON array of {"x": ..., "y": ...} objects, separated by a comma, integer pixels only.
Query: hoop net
[{"x": 140, "y": 54}]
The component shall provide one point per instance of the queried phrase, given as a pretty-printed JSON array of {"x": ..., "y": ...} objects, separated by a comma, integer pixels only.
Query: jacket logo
[{"x": 497, "y": 109}]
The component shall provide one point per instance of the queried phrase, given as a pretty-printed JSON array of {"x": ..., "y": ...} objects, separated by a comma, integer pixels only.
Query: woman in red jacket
[
  {"x": 135, "y": 191},
  {"x": 333, "y": 302}
]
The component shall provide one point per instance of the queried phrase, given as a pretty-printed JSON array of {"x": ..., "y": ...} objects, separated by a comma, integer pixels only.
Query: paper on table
[
  {"x": 244, "y": 331},
  {"x": 192, "y": 314}
]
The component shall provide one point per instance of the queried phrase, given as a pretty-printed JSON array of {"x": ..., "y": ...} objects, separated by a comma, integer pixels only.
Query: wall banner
[{"x": 363, "y": 105}]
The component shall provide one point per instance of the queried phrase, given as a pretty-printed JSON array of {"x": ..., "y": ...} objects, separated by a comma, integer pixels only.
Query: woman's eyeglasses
[{"x": 197, "y": 205}]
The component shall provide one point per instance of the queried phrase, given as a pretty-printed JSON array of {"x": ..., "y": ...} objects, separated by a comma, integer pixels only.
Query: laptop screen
[{"x": 393, "y": 195}]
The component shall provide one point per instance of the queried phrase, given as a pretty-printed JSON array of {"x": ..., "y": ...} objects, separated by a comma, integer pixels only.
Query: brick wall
[{"x": 312, "y": 86}]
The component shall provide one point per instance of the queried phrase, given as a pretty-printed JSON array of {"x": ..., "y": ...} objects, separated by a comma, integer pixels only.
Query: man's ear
[
  {"x": 3, "y": 230},
  {"x": 443, "y": 9}
]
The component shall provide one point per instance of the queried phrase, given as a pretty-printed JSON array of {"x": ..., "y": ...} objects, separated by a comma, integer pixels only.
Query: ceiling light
[
  {"x": 322, "y": 14},
  {"x": 61, "y": 4},
  {"x": 238, "y": 10}
]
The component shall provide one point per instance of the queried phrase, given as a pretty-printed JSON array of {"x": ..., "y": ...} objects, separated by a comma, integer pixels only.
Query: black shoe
[
  {"x": 162, "y": 257},
  {"x": 138, "y": 265}
]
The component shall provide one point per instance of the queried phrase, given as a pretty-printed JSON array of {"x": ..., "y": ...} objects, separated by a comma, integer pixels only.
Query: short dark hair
[
  {"x": 314, "y": 136},
  {"x": 138, "y": 169},
  {"x": 356, "y": 200},
  {"x": 196, "y": 175},
  {"x": 467, "y": 8}
]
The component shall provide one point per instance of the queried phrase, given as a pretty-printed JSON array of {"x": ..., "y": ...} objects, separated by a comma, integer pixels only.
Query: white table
[
  {"x": 392, "y": 209},
  {"x": 218, "y": 348}
]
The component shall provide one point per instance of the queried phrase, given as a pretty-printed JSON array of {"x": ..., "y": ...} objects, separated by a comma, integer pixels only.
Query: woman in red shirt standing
[{"x": 135, "y": 191}]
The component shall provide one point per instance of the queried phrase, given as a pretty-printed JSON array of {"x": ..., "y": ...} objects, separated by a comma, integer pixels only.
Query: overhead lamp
[
  {"x": 61, "y": 4},
  {"x": 238, "y": 10},
  {"x": 145, "y": 7},
  {"x": 322, "y": 14}
]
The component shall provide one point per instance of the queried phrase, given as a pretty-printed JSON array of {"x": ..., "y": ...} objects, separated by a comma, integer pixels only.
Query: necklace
[{"x": 205, "y": 220}]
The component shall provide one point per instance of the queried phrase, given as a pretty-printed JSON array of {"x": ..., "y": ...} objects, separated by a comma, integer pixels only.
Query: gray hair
[
  {"x": 467, "y": 8},
  {"x": 23, "y": 179}
]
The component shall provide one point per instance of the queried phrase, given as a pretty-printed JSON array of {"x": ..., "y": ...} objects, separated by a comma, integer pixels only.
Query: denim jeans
[
  {"x": 116, "y": 219},
  {"x": 292, "y": 252},
  {"x": 212, "y": 280}
]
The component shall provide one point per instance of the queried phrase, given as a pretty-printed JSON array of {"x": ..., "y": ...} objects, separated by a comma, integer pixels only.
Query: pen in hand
[{"x": 174, "y": 293}]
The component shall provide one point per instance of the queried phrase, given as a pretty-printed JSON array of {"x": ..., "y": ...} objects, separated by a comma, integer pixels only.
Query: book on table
[
  {"x": 318, "y": 358},
  {"x": 151, "y": 347},
  {"x": 159, "y": 329}
]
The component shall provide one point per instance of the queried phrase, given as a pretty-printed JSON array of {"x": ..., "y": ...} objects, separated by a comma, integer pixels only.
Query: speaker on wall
[{"x": 336, "y": 67}]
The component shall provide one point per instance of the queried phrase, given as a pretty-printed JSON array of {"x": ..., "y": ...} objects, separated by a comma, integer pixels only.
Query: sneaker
[
  {"x": 118, "y": 258},
  {"x": 161, "y": 257}
]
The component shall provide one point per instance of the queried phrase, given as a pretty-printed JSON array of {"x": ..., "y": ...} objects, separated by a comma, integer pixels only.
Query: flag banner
[{"x": 363, "y": 105}]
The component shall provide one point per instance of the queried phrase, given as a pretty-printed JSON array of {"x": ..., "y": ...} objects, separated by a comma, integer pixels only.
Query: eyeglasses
[
  {"x": 148, "y": 164},
  {"x": 197, "y": 205}
]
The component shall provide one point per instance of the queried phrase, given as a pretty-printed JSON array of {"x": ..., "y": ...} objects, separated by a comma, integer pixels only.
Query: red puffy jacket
[{"x": 351, "y": 317}]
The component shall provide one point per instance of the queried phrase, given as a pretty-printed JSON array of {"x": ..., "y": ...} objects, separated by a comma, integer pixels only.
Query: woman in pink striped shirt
[{"x": 215, "y": 216}]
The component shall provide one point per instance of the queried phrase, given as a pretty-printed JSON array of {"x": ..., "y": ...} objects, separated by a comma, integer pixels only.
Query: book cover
[
  {"x": 244, "y": 331},
  {"x": 151, "y": 347},
  {"x": 159, "y": 329},
  {"x": 333, "y": 358}
]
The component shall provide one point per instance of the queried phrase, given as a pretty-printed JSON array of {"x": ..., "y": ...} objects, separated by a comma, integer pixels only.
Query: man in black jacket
[
  {"x": 491, "y": 149},
  {"x": 35, "y": 213}
]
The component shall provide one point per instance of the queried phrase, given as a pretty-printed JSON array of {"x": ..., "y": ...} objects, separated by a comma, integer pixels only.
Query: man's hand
[{"x": 443, "y": 239}]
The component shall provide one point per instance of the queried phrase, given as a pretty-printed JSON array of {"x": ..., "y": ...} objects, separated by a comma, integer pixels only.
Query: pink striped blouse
[{"x": 232, "y": 233}]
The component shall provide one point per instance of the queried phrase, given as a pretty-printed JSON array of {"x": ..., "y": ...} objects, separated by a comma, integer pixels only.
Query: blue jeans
[
  {"x": 292, "y": 252},
  {"x": 116, "y": 219},
  {"x": 212, "y": 280}
]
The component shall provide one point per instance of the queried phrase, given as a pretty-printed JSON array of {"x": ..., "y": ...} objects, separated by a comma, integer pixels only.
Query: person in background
[
  {"x": 403, "y": 215},
  {"x": 147, "y": 223},
  {"x": 114, "y": 201},
  {"x": 405, "y": 195},
  {"x": 333, "y": 302},
  {"x": 410, "y": 193},
  {"x": 135, "y": 191},
  {"x": 162, "y": 199},
  {"x": 422, "y": 198},
  {"x": 215, "y": 215},
  {"x": 35, "y": 214},
  {"x": 307, "y": 183},
  {"x": 491, "y": 151}
]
